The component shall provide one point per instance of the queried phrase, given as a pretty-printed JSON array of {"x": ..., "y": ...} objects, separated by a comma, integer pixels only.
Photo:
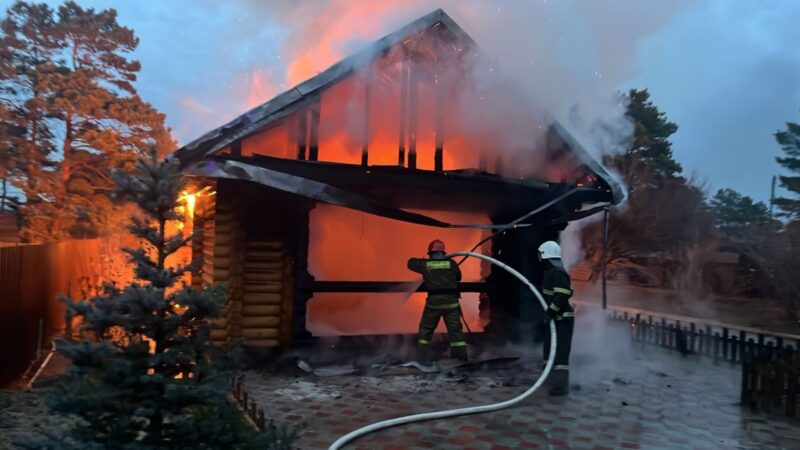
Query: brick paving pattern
[{"x": 662, "y": 401}]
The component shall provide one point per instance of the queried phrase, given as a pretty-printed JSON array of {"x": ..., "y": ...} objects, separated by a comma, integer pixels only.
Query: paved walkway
[
  {"x": 628, "y": 398},
  {"x": 738, "y": 312}
]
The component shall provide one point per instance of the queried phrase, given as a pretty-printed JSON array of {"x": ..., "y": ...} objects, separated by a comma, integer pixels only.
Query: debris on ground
[{"x": 425, "y": 368}]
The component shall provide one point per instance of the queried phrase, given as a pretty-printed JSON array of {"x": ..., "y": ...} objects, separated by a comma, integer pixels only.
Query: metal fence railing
[{"x": 716, "y": 341}]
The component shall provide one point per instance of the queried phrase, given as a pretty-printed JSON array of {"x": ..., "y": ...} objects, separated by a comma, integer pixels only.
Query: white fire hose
[{"x": 472, "y": 409}]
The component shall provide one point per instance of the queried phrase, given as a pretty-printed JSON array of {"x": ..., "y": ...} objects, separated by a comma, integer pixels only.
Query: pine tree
[
  {"x": 151, "y": 378},
  {"x": 734, "y": 210},
  {"x": 789, "y": 140},
  {"x": 28, "y": 51},
  {"x": 80, "y": 114},
  {"x": 648, "y": 157},
  {"x": 665, "y": 216}
]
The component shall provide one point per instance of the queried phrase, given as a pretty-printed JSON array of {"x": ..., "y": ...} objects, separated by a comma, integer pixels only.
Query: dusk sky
[{"x": 727, "y": 72}]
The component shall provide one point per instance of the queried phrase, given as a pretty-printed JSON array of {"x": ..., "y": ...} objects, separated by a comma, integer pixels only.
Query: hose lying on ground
[{"x": 472, "y": 409}]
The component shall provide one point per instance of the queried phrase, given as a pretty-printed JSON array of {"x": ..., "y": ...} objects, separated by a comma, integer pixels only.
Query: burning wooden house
[{"x": 311, "y": 203}]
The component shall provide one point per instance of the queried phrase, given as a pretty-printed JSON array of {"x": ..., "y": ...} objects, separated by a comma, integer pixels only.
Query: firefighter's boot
[
  {"x": 558, "y": 382},
  {"x": 459, "y": 353},
  {"x": 423, "y": 353}
]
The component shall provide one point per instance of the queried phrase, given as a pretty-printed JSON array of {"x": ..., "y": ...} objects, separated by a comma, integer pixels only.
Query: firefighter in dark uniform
[
  {"x": 440, "y": 277},
  {"x": 556, "y": 290}
]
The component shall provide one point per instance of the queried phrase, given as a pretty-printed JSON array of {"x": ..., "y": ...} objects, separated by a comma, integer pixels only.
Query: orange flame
[{"x": 348, "y": 245}]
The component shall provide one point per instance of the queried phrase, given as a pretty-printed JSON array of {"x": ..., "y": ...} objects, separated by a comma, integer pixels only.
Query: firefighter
[
  {"x": 440, "y": 277},
  {"x": 557, "y": 290}
]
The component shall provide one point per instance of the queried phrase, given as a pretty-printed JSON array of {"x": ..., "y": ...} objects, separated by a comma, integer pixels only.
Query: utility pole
[
  {"x": 772, "y": 197},
  {"x": 603, "y": 255}
]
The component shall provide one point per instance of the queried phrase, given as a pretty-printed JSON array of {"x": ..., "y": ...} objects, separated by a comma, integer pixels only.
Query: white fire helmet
[{"x": 550, "y": 250}]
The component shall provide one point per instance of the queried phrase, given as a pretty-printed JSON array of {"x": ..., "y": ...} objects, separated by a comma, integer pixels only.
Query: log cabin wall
[
  {"x": 255, "y": 241},
  {"x": 264, "y": 298},
  {"x": 275, "y": 254},
  {"x": 219, "y": 248}
]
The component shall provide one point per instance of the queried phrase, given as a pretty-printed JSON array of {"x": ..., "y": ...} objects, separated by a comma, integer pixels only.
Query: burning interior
[{"x": 320, "y": 194}]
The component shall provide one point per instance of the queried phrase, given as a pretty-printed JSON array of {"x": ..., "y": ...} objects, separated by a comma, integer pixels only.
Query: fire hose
[{"x": 472, "y": 409}]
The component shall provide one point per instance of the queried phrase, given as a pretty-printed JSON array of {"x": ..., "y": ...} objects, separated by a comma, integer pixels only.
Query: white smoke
[{"x": 563, "y": 54}]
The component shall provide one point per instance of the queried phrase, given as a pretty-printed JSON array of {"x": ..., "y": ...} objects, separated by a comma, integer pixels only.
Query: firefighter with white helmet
[{"x": 557, "y": 290}]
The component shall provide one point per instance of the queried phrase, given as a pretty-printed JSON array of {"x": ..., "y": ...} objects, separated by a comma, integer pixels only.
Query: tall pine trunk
[
  {"x": 66, "y": 173},
  {"x": 3, "y": 196}
]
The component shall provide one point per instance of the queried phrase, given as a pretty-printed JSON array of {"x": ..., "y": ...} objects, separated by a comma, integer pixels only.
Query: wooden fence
[
  {"x": 31, "y": 279},
  {"x": 249, "y": 405}
]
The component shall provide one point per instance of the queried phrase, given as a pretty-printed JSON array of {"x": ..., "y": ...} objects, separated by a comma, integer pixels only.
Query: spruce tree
[{"x": 150, "y": 378}]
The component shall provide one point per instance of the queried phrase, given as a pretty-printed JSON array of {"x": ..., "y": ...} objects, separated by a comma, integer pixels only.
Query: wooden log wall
[
  {"x": 267, "y": 301},
  {"x": 222, "y": 262},
  {"x": 256, "y": 256}
]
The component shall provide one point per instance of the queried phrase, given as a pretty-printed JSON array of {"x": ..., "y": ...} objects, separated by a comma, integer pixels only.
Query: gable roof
[
  {"x": 300, "y": 95},
  {"x": 309, "y": 91}
]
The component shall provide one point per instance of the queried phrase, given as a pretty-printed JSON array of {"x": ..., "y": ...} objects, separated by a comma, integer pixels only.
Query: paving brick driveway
[{"x": 644, "y": 399}]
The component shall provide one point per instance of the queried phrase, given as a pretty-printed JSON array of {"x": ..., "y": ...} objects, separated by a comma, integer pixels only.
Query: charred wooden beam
[
  {"x": 413, "y": 115},
  {"x": 386, "y": 286},
  {"x": 301, "y": 275},
  {"x": 438, "y": 155},
  {"x": 302, "y": 132},
  {"x": 365, "y": 135},
  {"x": 236, "y": 148},
  {"x": 313, "y": 133},
  {"x": 401, "y": 157}
]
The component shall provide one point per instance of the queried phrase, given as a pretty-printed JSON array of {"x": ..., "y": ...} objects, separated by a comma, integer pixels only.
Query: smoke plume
[{"x": 538, "y": 59}]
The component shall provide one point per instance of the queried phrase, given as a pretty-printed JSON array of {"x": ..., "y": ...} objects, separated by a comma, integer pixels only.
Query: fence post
[
  {"x": 734, "y": 349},
  {"x": 791, "y": 396},
  {"x": 792, "y": 391},
  {"x": 709, "y": 340},
  {"x": 701, "y": 342},
  {"x": 692, "y": 337},
  {"x": 745, "y": 388},
  {"x": 262, "y": 422},
  {"x": 716, "y": 348},
  {"x": 670, "y": 336},
  {"x": 725, "y": 343},
  {"x": 742, "y": 342},
  {"x": 778, "y": 385},
  {"x": 638, "y": 327},
  {"x": 39, "y": 340}
]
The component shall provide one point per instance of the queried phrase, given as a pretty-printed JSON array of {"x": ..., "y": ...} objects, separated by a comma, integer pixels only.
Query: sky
[{"x": 727, "y": 72}]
